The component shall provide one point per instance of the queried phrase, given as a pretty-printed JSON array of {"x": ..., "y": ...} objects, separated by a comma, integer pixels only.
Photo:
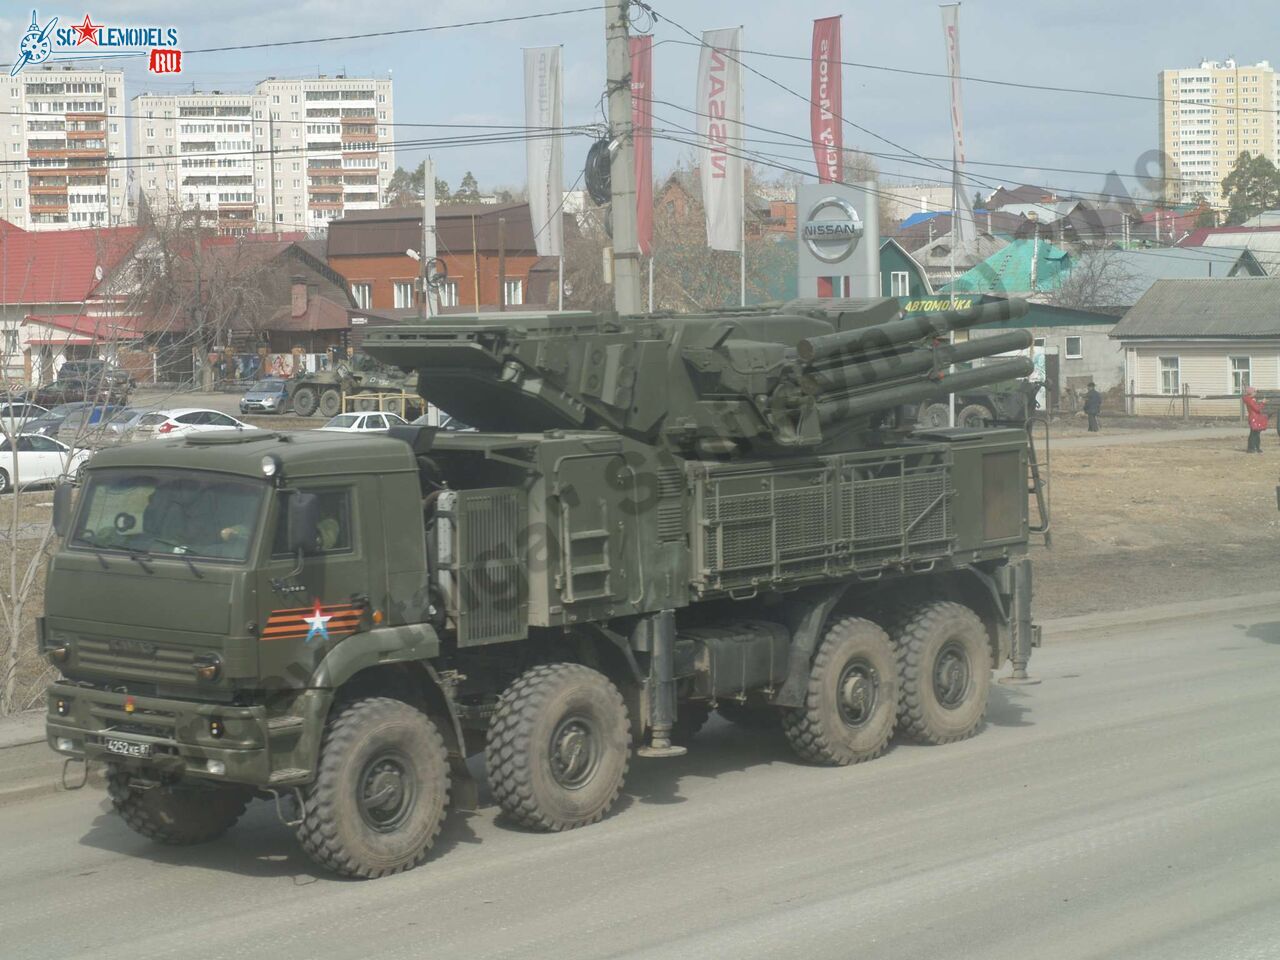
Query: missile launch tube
[
  {"x": 913, "y": 391},
  {"x": 897, "y": 365},
  {"x": 881, "y": 336}
]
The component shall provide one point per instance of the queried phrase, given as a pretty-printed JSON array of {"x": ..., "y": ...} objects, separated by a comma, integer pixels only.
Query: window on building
[
  {"x": 513, "y": 292},
  {"x": 1170, "y": 375},
  {"x": 899, "y": 284},
  {"x": 1075, "y": 349},
  {"x": 403, "y": 293},
  {"x": 449, "y": 293},
  {"x": 1241, "y": 370},
  {"x": 363, "y": 294},
  {"x": 279, "y": 218}
]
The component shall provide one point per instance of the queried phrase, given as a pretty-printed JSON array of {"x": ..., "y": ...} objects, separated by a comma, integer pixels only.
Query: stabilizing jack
[{"x": 662, "y": 681}]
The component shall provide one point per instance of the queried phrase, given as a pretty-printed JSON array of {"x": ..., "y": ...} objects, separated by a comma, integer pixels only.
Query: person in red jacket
[{"x": 1257, "y": 419}]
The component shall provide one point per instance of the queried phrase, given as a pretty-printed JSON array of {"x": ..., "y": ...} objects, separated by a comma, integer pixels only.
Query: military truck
[
  {"x": 361, "y": 377},
  {"x": 998, "y": 404},
  {"x": 656, "y": 517}
]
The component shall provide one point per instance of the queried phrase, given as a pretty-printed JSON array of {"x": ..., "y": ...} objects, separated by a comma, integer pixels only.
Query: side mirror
[
  {"x": 62, "y": 494},
  {"x": 304, "y": 522}
]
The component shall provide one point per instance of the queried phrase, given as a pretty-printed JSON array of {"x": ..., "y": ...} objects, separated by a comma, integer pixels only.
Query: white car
[
  {"x": 40, "y": 459},
  {"x": 363, "y": 422},
  {"x": 175, "y": 423}
]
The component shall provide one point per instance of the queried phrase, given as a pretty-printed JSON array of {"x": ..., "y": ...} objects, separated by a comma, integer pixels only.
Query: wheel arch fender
[
  {"x": 397, "y": 661},
  {"x": 809, "y": 614}
]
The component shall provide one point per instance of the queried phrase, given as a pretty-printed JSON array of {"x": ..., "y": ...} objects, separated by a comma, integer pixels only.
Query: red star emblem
[{"x": 88, "y": 31}]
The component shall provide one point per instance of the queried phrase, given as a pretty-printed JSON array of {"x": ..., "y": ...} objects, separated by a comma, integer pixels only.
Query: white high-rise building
[
  {"x": 63, "y": 147},
  {"x": 292, "y": 155},
  {"x": 203, "y": 152},
  {"x": 333, "y": 147},
  {"x": 1211, "y": 114}
]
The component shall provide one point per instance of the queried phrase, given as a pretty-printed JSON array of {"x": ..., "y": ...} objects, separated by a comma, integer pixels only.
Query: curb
[{"x": 1192, "y": 610}]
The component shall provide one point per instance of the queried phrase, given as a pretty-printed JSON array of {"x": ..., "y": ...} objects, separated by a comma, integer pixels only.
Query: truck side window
[{"x": 335, "y": 524}]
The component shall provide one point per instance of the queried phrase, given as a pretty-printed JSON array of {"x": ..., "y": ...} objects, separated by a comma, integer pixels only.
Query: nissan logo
[{"x": 832, "y": 230}]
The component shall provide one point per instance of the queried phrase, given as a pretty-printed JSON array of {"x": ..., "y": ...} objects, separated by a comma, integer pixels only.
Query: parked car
[
  {"x": 174, "y": 423},
  {"x": 363, "y": 422},
  {"x": 97, "y": 371},
  {"x": 266, "y": 396},
  {"x": 93, "y": 426},
  {"x": 49, "y": 424},
  {"x": 20, "y": 412},
  {"x": 121, "y": 425},
  {"x": 444, "y": 421},
  {"x": 40, "y": 460}
]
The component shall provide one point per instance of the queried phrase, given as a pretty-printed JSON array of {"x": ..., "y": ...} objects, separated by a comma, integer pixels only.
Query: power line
[
  {"x": 368, "y": 36},
  {"x": 999, "y": 83}
]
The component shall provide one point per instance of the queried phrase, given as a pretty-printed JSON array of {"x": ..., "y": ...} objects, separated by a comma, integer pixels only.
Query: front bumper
[
  {"x": 257, "y": 406},
  {"x": 252, "y": 748}
]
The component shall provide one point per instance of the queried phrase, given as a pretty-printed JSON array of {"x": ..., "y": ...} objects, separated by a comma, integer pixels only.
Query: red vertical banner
[
  {"x": 642, "y": 136},
  {"x": 825, "y": 109}
]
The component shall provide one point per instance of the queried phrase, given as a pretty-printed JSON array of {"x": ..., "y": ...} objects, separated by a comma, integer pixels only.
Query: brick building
[{"x": 369, "y": 248}]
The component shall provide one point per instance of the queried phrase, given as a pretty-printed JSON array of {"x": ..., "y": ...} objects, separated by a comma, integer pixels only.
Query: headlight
[{"x": 270, "y": 465}]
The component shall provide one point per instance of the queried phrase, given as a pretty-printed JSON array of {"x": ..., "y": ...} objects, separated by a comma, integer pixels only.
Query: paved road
[{"x": 1128, "y": 807}]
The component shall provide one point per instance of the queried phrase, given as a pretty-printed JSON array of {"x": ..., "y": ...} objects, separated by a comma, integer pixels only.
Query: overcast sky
[{"x": 473, "y": 75}]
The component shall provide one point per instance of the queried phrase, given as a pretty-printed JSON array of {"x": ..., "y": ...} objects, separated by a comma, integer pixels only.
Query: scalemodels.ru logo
[{"x": 95, "y": 41}]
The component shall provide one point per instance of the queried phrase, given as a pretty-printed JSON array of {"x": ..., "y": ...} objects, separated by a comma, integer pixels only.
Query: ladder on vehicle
[{"x": 1038, "y": 474}]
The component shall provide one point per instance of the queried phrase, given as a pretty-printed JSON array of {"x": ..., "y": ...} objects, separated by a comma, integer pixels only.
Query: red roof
[
  {"x": 81, "y": 328},
  {"x": 58, "y": 266},
  {"x": 1196, "y": 238}
]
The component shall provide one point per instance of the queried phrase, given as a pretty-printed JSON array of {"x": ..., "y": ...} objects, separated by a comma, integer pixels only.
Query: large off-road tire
[
  {"x": 381, "y": 788},
  {"x": 852, "y": 699},
  {"x": 559, "y": 747},
  {"x": 748, "y": 715},
  {"x": 944, "y": 667},
  {"x": 179, "y": 814},
  {"x": 330, "y": 403},
  {"x": 304, "y": 401},
  {"x": 365, "y": 404},
  {"x": 975, "y": 415},
  {"x": 935, "y": 415}
]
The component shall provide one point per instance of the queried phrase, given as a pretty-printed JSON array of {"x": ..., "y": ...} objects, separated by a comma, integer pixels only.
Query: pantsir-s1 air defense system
[{"x": 657, "y": 517}]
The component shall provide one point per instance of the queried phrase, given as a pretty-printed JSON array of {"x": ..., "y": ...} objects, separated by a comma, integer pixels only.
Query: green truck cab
[{"x": 339, "y": 622}]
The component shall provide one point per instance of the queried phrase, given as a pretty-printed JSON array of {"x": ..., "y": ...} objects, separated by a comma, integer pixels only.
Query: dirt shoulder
[{"x": 1181, "y": 520}]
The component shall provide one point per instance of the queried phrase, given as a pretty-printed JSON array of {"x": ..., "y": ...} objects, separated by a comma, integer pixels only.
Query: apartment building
[
  {"x": 63, "y": 147},
  {"x": 204, "y": 152},
  {"x": 291, "y": 155},
  {"x": 333, "y": 147},
  {"x": 1209, "y": 115}
]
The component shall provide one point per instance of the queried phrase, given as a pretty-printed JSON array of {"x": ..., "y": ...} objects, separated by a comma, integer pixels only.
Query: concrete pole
[
  {"x": 430, "y": 305},
  {"x": 622, "y": 167}
]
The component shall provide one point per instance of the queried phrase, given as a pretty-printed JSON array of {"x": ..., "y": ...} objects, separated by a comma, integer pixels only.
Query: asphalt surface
[{"x": 1126, "y": 807}]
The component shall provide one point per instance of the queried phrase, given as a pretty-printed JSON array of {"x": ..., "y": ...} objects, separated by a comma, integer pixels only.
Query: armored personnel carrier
[{"x": 656, "y": 517}]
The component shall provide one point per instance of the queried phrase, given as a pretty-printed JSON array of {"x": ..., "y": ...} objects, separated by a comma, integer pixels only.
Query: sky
[{"x": 473, "y": 75}]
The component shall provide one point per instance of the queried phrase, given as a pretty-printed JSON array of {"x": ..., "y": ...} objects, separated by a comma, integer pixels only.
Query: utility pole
[
  {"x": 622, "y": 167},
  {"x": 430, "y": 307},
  {"x": 502, "y": 263}
]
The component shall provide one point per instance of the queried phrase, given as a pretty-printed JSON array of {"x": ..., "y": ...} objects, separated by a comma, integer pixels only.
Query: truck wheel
[
  {"x": 559, "y": 747},
  {"x": 944, "y": 667},
  {"x": 365, "y": 404},
  {"x": 379, "y": 797},
  {"x": 935, "y": 415},
  {"x": 177, "y": 813},
  {"x": 330, "y": 403},
  {"x": 304, "y": 401},
  {"x": 852, "y": 700},
  {"x": 974, "y": 415},
  {"x": 747, "y": 715}
]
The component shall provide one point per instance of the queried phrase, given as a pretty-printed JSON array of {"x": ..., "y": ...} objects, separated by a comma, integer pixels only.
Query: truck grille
[{"x": 135, "y": 660}]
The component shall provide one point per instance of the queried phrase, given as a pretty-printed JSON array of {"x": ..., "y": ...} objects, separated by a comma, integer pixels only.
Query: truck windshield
[{"x": 179, "y": 513}]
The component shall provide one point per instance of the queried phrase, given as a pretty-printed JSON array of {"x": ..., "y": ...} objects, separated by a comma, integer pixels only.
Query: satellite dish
[{"x": 97, "y": 272}]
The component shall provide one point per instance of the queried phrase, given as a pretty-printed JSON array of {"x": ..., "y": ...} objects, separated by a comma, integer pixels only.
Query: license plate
[{"x": 126, "y": 748}]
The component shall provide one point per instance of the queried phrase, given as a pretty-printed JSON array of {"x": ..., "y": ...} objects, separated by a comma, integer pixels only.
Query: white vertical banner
[
  {"x": 719, "y": 107},
  {"x": 544, "y": 109},
  {"x": 962, "y": 225}
]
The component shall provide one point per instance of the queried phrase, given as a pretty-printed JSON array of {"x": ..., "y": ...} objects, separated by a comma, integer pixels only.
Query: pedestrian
[
  {"x": 1257, "y": 419},
  {"x": 1093, "y": 406}
]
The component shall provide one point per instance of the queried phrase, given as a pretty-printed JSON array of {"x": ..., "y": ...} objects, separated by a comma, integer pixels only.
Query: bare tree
[{"x": 1098, "y": 280}]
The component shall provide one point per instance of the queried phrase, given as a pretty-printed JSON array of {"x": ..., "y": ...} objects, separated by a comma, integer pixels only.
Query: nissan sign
[{"x": 832, "y": 230}]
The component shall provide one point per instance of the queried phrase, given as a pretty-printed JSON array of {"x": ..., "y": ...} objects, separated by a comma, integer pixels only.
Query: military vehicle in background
[
  {"x": 1009, "y": 404},
  {"x": 655, "y": 517},
  {"x": 369, "y": 384}
]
